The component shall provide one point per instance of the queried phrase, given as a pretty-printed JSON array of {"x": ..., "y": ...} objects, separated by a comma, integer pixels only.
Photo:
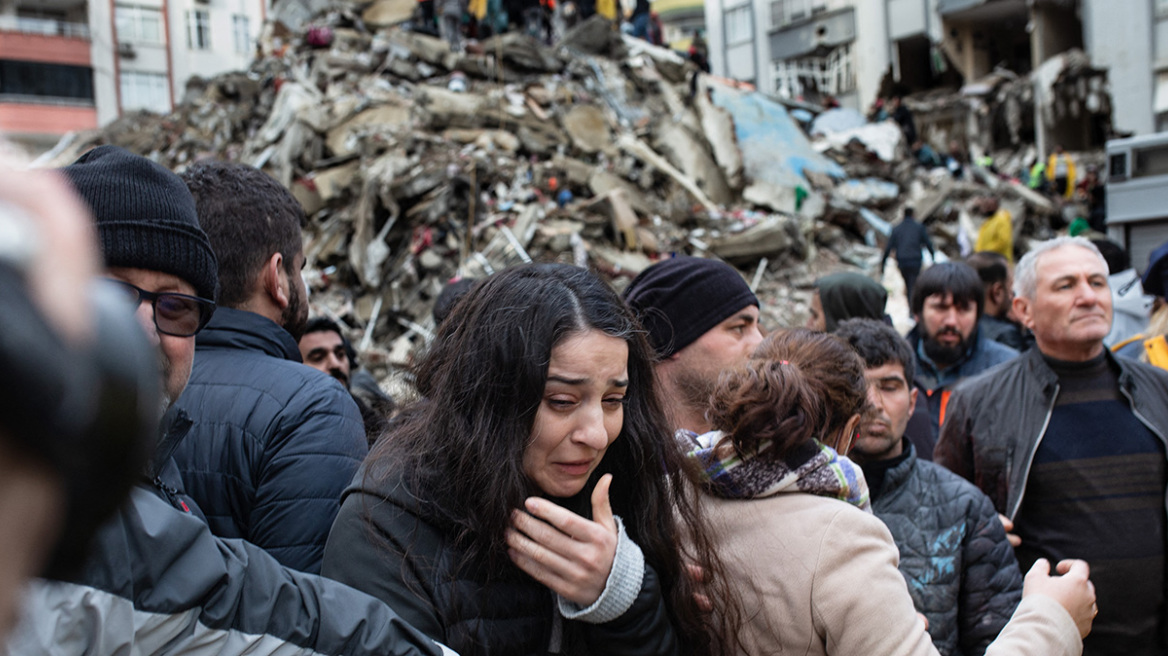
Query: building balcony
[
  {"x": 44, "y": 27},
  {"x": 40, "y": 40},
  {"x": 31, "y": 116}
]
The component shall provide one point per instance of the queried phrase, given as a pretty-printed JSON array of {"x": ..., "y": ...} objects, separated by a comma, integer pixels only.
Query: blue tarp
[{"x": 774, "y": 149}]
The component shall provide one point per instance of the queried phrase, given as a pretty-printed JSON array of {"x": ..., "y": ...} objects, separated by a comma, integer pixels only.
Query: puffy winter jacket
[
  {"x": 406, "y": 558},
  {"x": 275, "y": 442},
  {"x": 158, "y": 582},
  {"x": 960, "y": 570}
]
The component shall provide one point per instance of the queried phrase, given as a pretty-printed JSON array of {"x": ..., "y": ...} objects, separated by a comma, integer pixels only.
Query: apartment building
[
  {"x": 46, "y": 70},
  {"x": 70, "y": 65}
]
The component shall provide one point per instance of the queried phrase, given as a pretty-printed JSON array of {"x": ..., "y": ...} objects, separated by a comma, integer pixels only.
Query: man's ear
[
  {"x": 1022, "y": 311},
  {"x": 998, "y": 292},
  {"x": 275, "y": 282}
]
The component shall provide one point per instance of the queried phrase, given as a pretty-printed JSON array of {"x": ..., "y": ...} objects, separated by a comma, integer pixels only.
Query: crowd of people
[
  {"x": 582, "y": 470},
  {"x": 457, "y": 21}
]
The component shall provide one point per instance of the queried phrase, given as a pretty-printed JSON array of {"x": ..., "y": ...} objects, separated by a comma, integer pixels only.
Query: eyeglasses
[{"x": 179, "y": 315}]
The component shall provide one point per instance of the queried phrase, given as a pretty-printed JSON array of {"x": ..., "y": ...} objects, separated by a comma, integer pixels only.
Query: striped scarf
[{"x": 813, "y": 468}]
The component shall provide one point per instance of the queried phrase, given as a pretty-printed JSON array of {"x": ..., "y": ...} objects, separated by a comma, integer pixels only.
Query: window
[
  {"x": 198, "y": 29},
  {"x": 789, "y": 11},
  {"x": 242, "y": 31},
  {"x": 21, "y": 78},
  {"x": 833, "y": 74},
  {"x": 138, "y": 24},
  {"x": 1149, "y": 161},
  {"x": 739, "y": 26},
  {"x": 145, "y": 91}
]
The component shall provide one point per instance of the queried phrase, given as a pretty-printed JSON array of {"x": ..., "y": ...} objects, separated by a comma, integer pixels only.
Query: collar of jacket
[
  {"x": 173, "y": 427},
  {"x": 239, "y": 329},
  {"x": 1046, "y": 376},
  {"x": 895, "y": 477}
]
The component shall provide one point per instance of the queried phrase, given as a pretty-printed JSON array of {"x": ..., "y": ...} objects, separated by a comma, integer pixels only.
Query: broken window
[
  {"x": 198, "y": 29},
  {"x": 833, "y": 73},
  {"x": 138, "y": 24},
  {"x": 1151, "y": 161}
]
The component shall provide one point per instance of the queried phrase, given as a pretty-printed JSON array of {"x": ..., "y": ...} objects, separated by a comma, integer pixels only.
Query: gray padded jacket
[{"x": 960, "y": 570}]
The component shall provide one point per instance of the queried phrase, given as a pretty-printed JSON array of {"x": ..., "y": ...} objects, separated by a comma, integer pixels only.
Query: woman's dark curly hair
[{"x": 461, "y": 447}]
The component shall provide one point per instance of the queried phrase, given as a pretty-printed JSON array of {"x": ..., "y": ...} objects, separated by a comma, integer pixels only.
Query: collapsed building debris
[{"x": 416, "y": 164}]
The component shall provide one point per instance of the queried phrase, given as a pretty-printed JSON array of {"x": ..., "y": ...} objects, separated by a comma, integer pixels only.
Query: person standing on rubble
[
  {"x": 274, "y": 443},
  {"x": 1060, "y": 172},
  {"x": 450, "y": 22},
  {"x": 907, "y": 239},
  {"x": 498, "y": 516},
  {"x": 641, "y": 20},
  {"x": 904, "y": 118}
]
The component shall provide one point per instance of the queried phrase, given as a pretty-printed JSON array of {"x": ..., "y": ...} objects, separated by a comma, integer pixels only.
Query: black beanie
[
  {"x": 680, "y": 299},
  {"x": 146, "y": 217}
]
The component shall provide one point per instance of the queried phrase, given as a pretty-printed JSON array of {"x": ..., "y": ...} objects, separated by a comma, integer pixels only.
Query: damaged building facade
[{"x": 1005, "y": 72}]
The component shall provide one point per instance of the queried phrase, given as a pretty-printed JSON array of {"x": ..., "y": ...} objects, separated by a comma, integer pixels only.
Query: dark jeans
[{"x": 909, "y": 273}]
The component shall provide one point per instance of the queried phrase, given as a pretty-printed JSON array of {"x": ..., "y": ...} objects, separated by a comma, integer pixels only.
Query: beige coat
[{"x": 818, "y": 576}]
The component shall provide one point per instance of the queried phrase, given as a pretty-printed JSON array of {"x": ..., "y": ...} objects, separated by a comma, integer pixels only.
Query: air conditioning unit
[
  {"x": 203, "y": 2},
  {"x": 126, "y": 50}
]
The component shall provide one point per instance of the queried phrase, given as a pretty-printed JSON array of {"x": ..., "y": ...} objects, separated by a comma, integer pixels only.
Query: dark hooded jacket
[
  {"x": 850, "y": 296},
  {"x": 274, "y": 443},
  {"x": 158, "y": 582},
  {"x": 960, "y": 570},
  {"x": 388, "y": 541}
]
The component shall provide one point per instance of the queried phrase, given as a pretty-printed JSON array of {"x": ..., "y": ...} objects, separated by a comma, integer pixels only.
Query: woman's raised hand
[{"x": 564, "y": 551}]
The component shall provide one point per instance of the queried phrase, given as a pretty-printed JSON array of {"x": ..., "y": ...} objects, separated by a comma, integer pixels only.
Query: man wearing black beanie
[
  {"x": 157, "y": 581},
  {"x": 701, "y": 318}
]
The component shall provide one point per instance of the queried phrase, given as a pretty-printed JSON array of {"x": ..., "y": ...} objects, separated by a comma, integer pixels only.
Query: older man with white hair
[{"x": 1070, "y": 442}]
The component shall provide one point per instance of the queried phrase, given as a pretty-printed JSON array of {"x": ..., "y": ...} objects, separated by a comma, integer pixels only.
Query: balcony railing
[{"x": 44, "y": 27}]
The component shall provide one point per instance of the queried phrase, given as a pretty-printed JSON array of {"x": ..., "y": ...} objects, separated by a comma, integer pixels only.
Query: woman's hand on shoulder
[{"x": 569, "y": 554}]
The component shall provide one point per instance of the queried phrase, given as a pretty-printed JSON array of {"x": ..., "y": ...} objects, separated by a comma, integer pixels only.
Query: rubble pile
[{"x": 416, "y": 164}]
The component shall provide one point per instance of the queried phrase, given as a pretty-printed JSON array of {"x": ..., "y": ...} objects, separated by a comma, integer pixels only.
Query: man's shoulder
[
  {"x": 992, "y": 354},
  {"x": 990, "y": 379},
  {"x": 227, "y": 366},
  {"x": 243, "y": 374},
  {"x": 947, "y": 483},
  {"x": 1141, "y": 369}
]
